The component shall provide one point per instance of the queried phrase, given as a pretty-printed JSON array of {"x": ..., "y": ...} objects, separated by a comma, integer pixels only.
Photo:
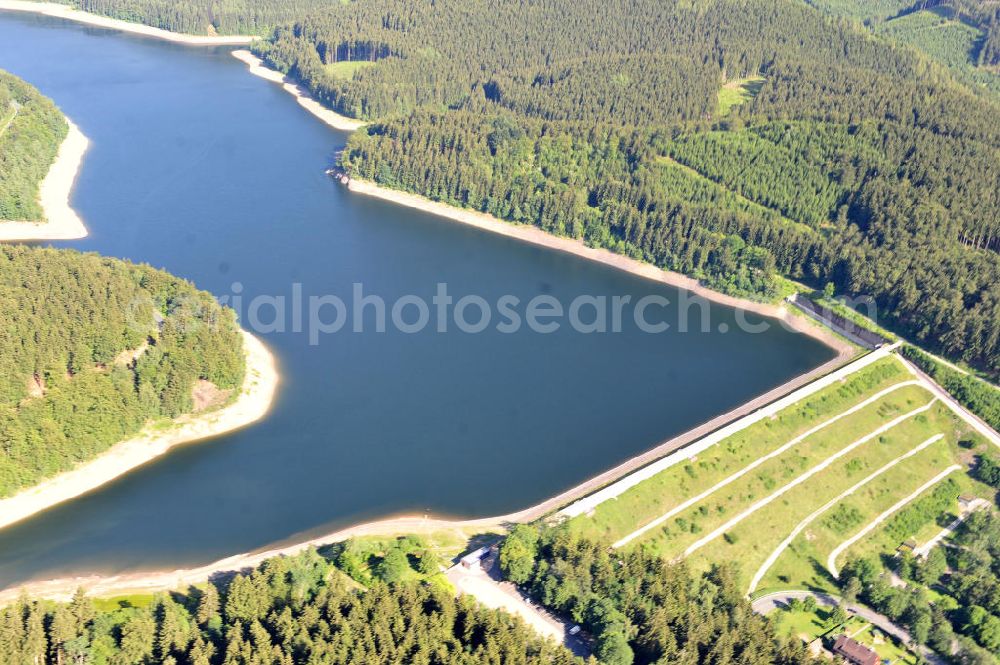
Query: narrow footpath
[
  {"x": 831, "y": 562},
  {"x": 825, "y": 464},
  {"x": 756, "y": 463},
  {"x": 924, "y": 549},
  {"x": 759, "y": 575}
]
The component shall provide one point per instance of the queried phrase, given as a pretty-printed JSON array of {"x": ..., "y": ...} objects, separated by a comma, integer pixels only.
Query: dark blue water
[{"x": 218, "y": 176}]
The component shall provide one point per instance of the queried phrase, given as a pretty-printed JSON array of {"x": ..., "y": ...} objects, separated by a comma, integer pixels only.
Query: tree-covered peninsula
[
  {"x": 31, "y": 129},
  {"x": 733, "y": 140},
  {"x": 92, "y": 349}
]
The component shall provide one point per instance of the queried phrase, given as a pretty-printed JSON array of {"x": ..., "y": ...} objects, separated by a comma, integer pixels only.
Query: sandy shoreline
[
  {"x": 71, "y": 14},
  {"x": 62, "y": 222},
  {"x": 254, "y": 402},
  {"x": 301, "y": 95}
]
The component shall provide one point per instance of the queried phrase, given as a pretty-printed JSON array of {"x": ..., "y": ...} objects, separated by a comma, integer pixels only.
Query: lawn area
[
  {"x": 695, "y": 522},
  {"x": 738, "y": 91},
  {"x": 803, "y": 564},
  {"x": 752, "y": 540},
  {"x": 654, "y": 497},
  {"x": 345, "y": 69},
  {"x": 912, "y": 523},
  {"x": 807, "y": 625},
  {"x": 137, "y": 600},
  {"x": 885, "y": 646}
]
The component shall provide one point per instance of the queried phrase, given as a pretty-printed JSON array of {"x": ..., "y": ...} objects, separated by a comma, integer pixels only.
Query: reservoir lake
[{"x": 202, "y": 169}]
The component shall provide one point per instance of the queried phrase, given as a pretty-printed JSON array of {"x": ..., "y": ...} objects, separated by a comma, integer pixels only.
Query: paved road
[
  {"x": 805, "y": 308},
  {"x": 779, "y": 600},
  {"x": 975, "y": 421}
]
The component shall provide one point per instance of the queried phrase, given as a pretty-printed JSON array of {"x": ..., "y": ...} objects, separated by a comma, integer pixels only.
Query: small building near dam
[
  {"x": 472, "y": 559},
  {"x": 854, "y": 652}
]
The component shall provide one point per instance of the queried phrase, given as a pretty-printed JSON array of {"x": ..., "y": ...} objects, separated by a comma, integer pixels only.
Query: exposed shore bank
[
  {"x": 531, "y": 234},
  {"x": 62, "y": 222},
  {"x": 165, "y": 580},
  {"x": 71, "y": 14},
  {"x": 253, "y": 403},
  {"x": 129, "y": 583},
  {"x": 150, "y": 582},
  {"x": 537, "y": 236},
  {"x": 301, "y": 95}
]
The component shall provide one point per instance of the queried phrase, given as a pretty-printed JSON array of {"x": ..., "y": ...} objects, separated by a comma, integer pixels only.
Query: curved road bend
[
  {"x": 830, "y": 504},
  {"x": 831, "y": 562}
]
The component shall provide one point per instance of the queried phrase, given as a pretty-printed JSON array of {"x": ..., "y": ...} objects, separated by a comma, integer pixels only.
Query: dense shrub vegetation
[
  {"x": 31, "y": 129},
  {"x": 856, "y": 162},
  {"x": 641, "y": 608},
  {"x": 290, "y": 610},
  {"x": 66, "y": 394}
]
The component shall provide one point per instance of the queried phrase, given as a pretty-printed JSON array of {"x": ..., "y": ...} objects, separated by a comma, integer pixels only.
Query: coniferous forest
[
  {"x": 640, "y": 608},
  {"x": 305, "y": 610},
  {"x": 91, "y": 349},
  {"x": 289, "y": 610},
  {"x": 31, "y": 129},
  {"x": 853, "y": 161},
  {"x": 200, "y": 17},
  {"x": 960, "y": 34}
]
